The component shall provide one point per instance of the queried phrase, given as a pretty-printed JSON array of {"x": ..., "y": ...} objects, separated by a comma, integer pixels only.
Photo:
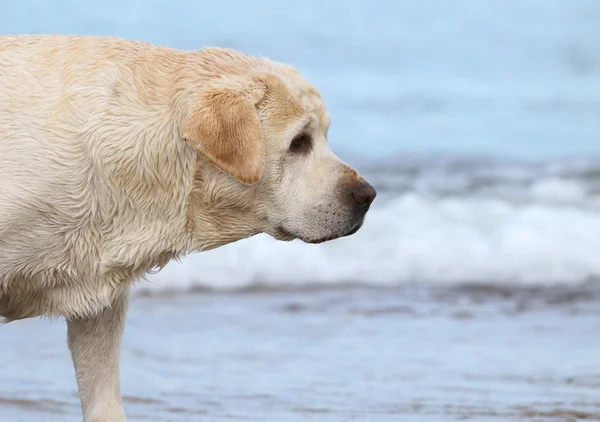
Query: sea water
[{"x": 471, "y": 290}]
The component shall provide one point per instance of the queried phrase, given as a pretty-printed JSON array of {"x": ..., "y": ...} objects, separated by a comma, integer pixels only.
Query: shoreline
[{"x": 328, "y": 355}]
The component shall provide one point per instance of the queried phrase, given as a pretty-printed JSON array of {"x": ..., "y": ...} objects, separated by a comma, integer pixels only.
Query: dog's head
[{"x": 263, "y": 130}]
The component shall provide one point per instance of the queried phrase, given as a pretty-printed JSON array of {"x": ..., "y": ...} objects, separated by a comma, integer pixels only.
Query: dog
[{"x": 117, "y": 156}]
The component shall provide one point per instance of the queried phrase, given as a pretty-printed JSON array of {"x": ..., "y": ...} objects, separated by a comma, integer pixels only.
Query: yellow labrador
[{"x": 118, "y": 156}]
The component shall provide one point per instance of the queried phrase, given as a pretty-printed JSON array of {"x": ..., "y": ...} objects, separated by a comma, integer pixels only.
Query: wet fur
[{"x": 118, "y": 156}]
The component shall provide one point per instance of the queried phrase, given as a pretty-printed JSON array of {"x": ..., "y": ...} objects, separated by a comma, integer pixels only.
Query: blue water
[
  {"x": 505, "y": 78},
  {"x": 329, "y": 356},
  {"x": 479, "y": 124}
]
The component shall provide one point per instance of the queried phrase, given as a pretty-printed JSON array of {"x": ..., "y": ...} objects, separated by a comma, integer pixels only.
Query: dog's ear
[{"x": 224, "y": 127}]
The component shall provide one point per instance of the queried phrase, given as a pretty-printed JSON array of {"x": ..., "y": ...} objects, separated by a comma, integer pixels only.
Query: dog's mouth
[{"x": 282, "y": 234}]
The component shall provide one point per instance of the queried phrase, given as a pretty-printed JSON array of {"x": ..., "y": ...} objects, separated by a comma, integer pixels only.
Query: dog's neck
[{"x": 220, "y": 210}]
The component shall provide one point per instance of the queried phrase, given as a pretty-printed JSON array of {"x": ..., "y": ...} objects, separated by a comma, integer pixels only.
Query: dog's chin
[{"x": 282, "y": 234}]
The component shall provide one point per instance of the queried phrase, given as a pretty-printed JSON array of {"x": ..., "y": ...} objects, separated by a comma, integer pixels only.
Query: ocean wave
[{"x": 542, "y": 230}]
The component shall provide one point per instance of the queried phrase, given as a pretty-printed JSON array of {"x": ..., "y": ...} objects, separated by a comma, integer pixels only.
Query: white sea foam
[
  {"x": 511, "y": 79},
  {"x": 551, "y": 235}
]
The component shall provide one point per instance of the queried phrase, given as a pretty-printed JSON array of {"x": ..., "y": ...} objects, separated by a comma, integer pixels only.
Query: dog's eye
[{"x": 301, "y": 143}]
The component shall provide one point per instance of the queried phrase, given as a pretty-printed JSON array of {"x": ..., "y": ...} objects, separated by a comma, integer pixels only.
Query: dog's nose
[{"x": 364, "y": 194}]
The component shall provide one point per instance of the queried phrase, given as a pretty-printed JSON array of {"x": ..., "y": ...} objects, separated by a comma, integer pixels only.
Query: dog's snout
[{"x": 364, "y": 194}]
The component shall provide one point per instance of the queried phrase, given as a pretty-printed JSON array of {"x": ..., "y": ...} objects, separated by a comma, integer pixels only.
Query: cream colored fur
[{"x": 118, "y": 156}]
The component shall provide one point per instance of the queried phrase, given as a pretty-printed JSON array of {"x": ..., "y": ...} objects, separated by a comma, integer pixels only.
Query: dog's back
[
  {"x": 30, "y": 237},
  {"x": 78, "y": 151}
]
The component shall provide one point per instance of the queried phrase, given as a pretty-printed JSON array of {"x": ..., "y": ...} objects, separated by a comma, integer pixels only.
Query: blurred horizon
[
  {"x": 512, "y": 79},
  {"x": 478, "y": 122}
]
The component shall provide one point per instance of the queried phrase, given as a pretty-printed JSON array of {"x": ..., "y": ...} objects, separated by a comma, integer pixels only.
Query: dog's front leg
[{"x": 95, "y": 344}]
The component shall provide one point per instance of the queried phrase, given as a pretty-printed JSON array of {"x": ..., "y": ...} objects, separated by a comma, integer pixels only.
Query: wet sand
[{"x": 471, "y": 352}]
